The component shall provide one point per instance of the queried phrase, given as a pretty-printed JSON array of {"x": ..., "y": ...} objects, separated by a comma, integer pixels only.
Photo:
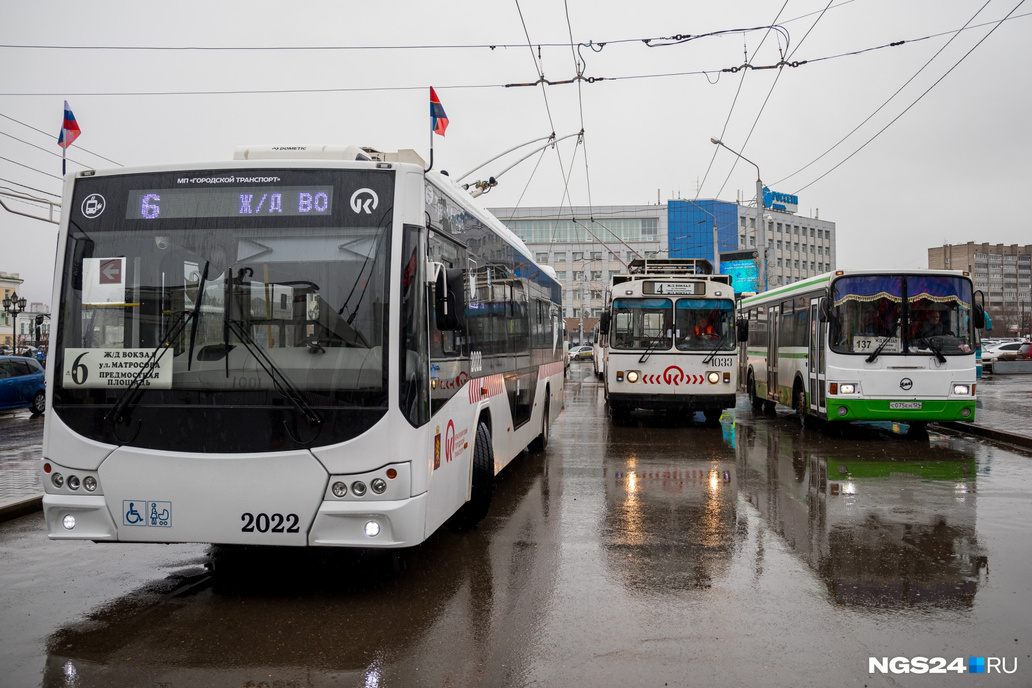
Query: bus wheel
[
  {"x": 473, "y": 512},
  {"x": 541, "y": 441},
  {"x": 757, "y": 403},
  {"x": 918, "y": 430},
  {"x": 800, "y": 406}
]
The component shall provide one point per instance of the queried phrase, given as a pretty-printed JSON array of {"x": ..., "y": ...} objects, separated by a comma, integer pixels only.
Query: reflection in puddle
[{"x": 885, "y": 523}]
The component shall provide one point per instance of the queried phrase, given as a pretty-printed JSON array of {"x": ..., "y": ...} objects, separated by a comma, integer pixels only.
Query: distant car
[
  {"x": 581, "y": 353},
  {"x": 995, "y": 351},
  {"x": 1024, "y": 351},
  {"x": 22, "y": 384}
]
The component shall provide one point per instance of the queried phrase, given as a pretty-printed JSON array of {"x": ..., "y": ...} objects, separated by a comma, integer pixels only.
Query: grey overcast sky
[{"x": 936, "y": 131}]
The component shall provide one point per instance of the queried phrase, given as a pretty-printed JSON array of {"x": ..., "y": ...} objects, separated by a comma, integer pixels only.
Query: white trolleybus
[
  {"x": 669, "y": 340},
  {"x": 304, "y": 346},
  {"x": 865, "y": 346}
]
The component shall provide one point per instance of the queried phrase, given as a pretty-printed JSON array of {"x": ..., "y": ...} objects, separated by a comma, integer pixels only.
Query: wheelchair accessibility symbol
[{"x": 143, "y": 513}]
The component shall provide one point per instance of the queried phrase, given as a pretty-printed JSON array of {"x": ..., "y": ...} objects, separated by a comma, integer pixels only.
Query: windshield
[
  {"x": 898, "y": 314},
  {"x": 701, "y": 324},
  {"x": 642, "y": 324},
  {"x": 227, "y": 302}
]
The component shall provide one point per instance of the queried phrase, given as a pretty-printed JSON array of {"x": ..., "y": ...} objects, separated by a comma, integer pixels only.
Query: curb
[
  {"x": 21, "y": 507},
  {"x": 988, "y": 433}
]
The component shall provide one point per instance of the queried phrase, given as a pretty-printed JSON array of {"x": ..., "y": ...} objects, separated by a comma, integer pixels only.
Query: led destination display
[{"x": 284, "y": 201}]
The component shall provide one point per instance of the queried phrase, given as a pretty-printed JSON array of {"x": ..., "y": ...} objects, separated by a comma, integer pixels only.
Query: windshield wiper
[
  {"x": 877, "y": 352},
  {"x": 279, "y": 380},
  {"x": 936, "y": 350},
  {"x": 713, "y": 352},
  {"x": 649, "y": 349},
  {"x": 117, "y": 414},
  {"x": 196, "y": 312}
]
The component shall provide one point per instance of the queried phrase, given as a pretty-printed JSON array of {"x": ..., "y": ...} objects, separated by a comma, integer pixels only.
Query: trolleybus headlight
[
  {"x": 57, "y": 479},
  {"x": 842, "y": 410},
  {"x": 372, "y": 528},
  {"x": 73, "y": 482},
  {"x": 339, "y": 489},
  {"x": 961, "y": 389},
  {"x": 90, "y": 483},
  {"x": 68, "y": 521},
  {"x": 713, "y": 377},
  {"x": 847, "y": 388},
  {"x": 632, "y": 375},
  {"x": 378, "y": 485},
  {"x": 966, "y": 412},
  {"x": 358, "y": 488}
]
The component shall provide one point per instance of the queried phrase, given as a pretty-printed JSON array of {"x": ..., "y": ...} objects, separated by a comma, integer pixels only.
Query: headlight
[
  {"x": 632, "y": 375},
  {"x": 961, "y": 389},
  {"x": 90, "y": 483},
  {"x": 713, "y": 377},
  {"x": 378, "y": 485},
  {"x": 57, "y": 479},
  {"x": 847, "y": 388},
  {"x": 358, "y": 488},
  {"x": 339, "y": 489}
]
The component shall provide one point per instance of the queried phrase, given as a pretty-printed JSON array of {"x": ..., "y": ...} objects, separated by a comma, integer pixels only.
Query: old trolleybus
[
  {"x": 669, "y": 339},
  {"x": 872, "y": 346},
  {"x": 290, "y": 350}
]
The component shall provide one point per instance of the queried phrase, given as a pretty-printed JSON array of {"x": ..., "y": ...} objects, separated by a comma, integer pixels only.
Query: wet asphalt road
[{"x": 749, "y": 554}]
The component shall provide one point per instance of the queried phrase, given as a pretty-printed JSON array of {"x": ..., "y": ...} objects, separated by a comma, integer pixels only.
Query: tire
[
  {"x": 473, "y": 512},
  {"x": 540, "y": 443},
  {"x": 39, "y": 403},
  {"x": 802, "y": 411},
  {"x": 757, "y": 403},
  {"x": 712, "y": 416},
  {"x": 917, "y": 430}
]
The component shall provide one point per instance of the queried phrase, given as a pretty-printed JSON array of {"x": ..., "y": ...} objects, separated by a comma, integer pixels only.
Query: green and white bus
[{"x": 875, "y": 345}]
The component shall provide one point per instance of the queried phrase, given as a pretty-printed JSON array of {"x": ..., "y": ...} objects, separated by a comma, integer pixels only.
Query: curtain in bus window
[
  {"x": 866, "y": 310},
  {"x": 939, "y": 308}
]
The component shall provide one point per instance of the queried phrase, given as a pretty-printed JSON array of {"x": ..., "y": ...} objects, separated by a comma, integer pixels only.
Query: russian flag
[
  {"x": 437, "y": 116},
  {"x": 70, "y": 129}
]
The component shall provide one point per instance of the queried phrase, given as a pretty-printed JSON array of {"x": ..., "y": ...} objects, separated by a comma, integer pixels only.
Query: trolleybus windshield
[
  {"x": 901, "y": 314},
  {"x": 274, "y": 278}
]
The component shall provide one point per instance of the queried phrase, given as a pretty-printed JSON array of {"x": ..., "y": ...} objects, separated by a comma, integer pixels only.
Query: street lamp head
[{"x": 716, "y": 142}]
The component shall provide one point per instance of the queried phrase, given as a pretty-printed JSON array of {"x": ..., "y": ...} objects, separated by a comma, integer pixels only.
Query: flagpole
[
  {"x": 64, "y": 169},
  {"x": 431, "y": 145}
]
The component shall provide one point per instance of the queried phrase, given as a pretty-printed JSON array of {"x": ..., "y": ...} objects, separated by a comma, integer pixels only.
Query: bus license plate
[{"x": 905, "y": 405}]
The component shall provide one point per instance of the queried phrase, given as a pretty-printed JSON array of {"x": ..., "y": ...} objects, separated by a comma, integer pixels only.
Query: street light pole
[
  {"x": 761, "y": 230},
  {"x": 14, "y": 306}
]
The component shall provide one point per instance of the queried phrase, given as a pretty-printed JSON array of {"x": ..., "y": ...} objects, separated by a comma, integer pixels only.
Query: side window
[{"x": 5, "y": 370}]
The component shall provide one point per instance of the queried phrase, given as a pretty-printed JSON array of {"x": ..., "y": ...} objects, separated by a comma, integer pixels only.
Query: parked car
[
  {"x": 1025, "y": 351},
  {"x": 581, "y": 353},
  {"x": 1003, "y": 350},
  {"x": 22, "y": 384}
]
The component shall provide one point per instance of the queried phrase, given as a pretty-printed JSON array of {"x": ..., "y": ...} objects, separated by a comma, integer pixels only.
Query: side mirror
[
  {"x": 449, "y": 304},
  {"x": 979, "y": 317},
  {"x": 603, "y": 323},
  {"x": 742, "y": 329},
  {"x": 824, "y": 311}
]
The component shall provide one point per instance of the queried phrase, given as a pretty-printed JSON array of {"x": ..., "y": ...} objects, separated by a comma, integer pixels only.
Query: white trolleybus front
[
  {"x": 304, "y": 346},
  {"x": 670, "y": 340},
  {"x": 866, "y": 346}
]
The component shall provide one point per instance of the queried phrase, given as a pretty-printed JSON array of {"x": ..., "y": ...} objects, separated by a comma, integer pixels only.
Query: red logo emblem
[
  {"x": 673, "y": 376},
  {"x": 449, "y": 441}
]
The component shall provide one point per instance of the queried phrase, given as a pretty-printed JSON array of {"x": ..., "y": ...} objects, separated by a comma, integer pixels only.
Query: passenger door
[
  {"x": 815, "y": 360},
  {"x": 773, "y": 328}
]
